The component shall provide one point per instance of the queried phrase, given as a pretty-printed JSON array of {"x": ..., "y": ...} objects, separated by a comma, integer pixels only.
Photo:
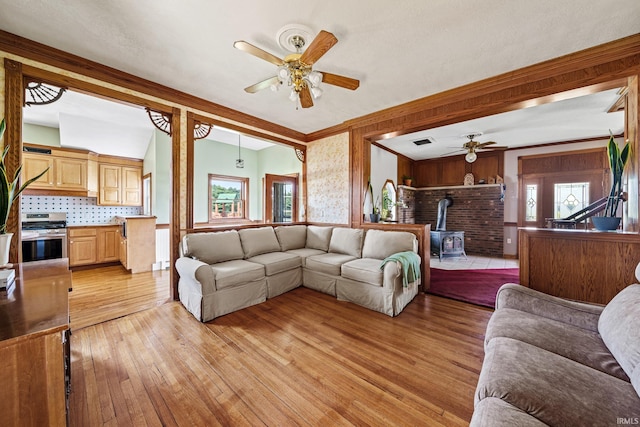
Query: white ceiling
[
  {"x": 400, "y": 51},
  {"x": 108, "y": 127}
]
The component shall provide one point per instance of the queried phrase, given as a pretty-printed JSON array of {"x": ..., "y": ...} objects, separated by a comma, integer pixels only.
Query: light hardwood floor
[
  {"x": 302, "y": 358},
  {"x": 106, "y": 293}
]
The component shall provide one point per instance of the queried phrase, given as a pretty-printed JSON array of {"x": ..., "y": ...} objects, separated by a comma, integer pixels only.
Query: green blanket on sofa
[{"x": 410, "y": 262}]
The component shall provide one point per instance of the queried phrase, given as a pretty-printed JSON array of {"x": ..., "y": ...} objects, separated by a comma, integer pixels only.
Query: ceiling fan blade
[
  {"x": 262, "y": 85},
  {"x": 318, "y": 47},
  {"x": 452, "y": 152},
  {"x": 305, "y": 98},
  {"x": 256, "y": 51},
  {"x": 342, "y": 81},
  {"x": 496, "y": 148},
  {"x": 482, "y": 144}
]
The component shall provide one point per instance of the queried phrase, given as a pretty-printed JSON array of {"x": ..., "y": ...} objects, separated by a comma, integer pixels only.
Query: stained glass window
[
  {"x": 569, "y": 198},
  {"x": 531, "y": 207}
]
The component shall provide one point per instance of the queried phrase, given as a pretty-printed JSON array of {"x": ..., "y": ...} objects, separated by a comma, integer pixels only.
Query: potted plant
[
  {"x": 9, "y": 191},
  {"x": 375, "y": 216},
  {"x": 617, "y": 162},
  {"x": 406, "y": 180}
]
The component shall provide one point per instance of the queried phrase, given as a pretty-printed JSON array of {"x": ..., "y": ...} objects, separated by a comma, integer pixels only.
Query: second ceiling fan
[{"x": 296, "y": 69}]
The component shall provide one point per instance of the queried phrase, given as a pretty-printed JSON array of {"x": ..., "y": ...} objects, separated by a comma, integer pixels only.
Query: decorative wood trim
[
  {"x": 245, "y": 130},
  {"x": 162, "y": 121},
  {"x": 400, "y": 156},
  {"x": 13, "y": 102},
  {"x": 162, "y": 226},
  {"x": 174, "y": 202},
  {"x": 201, "y": 130},
  {"x": 330, "y": 131},
  {"x": 191, "y": 119},
  {"x": 48, "y": 55},
  {"x": 575, "y": 141}
]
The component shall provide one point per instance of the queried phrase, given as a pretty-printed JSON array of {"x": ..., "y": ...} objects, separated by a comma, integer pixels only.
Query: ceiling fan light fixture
[
  {"x": 293, "y": 97},
  {"x": 315, "y": 78},
  {"x": 471, "y": 157},
  {"x": 283, "y": 73},
  {"x": 316, "y": 92}
]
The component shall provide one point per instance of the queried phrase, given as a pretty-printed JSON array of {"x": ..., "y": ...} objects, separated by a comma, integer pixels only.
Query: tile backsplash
[{"x": 80, "y": 210}]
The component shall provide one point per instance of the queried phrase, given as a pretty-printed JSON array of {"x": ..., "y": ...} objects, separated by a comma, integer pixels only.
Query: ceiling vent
[{"x": 428, "y": 140}]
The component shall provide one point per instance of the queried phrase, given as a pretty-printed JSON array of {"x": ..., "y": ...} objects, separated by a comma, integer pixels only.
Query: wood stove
[{"x": 446, "y": 243}]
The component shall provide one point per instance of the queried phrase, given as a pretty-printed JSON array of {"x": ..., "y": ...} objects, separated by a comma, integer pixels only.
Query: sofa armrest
[
  {"x": 574, "y": 313},
  {"x": 392, "y": 274},
  {"x": 198, "y": 272}
]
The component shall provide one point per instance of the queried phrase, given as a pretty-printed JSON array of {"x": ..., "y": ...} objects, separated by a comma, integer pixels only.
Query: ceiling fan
[
  {"x": 472, "y": 146},
  {"x": 296, "y": 68}
]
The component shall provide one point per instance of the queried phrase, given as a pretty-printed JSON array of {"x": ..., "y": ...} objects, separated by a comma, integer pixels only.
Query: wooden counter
[
  {"x": 583, "y": 265},
  {"x": 33, "y": 320}
]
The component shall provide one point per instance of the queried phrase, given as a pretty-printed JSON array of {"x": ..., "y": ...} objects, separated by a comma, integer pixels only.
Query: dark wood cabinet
[
  {"x": 450, "y": 171},
  {"x": 34, "y": 346}
]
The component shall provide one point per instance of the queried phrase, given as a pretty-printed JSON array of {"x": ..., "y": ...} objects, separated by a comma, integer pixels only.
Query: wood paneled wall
[
  {"x": 451, "y": 170},
  {"x": 579, "y": 265}
]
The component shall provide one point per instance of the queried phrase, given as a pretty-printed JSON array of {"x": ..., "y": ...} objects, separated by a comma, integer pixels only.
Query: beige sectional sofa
[
  {"x": 221, "y": 272},
  {"x": 550, "y": 361}
]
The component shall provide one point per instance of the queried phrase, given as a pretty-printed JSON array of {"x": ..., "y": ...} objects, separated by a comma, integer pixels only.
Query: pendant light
[{"x": 239, "y": 161}]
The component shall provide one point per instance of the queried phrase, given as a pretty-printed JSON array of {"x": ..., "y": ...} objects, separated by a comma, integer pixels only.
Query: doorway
[{"x": 281, "y": 198}]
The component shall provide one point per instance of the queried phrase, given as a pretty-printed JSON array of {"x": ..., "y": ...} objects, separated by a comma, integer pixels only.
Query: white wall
[
  {"x": 511, "y": 181},
  {"x": 384, "y": 166}
]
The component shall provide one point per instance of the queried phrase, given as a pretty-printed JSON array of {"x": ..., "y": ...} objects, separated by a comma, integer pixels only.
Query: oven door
[{"x": 44, "y": 247}]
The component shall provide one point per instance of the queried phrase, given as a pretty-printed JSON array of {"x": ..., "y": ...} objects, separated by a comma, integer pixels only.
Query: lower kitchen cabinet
[{"x": 93, "y": 245}]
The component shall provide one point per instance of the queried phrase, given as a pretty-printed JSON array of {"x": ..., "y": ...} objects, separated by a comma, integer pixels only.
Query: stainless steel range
[{"x": 44, "y": 236}]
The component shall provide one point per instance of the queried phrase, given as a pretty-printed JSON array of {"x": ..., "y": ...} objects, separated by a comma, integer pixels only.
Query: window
[
  {"x": 531, "y": 203},
  {"x": 228, "y": 196},
  {"x": 570, "y": 198},
  {"x": 146, "y": 194}
]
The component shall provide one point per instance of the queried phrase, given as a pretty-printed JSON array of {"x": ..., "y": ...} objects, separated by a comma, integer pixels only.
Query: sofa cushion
[
  {"x": 318, "y": 237},
  {"x": 555, "y": 390},
  {"x": 213, "y": 247},
  {"x": 256, "y": 241},
  {"x": 363, "y": 270},
  {"x": 380, "y": 244},
  {"x": 619, "y": 326},
  {"x": 291, "y": 236},
  {"x": 328, "y": 263},
  {"x": 304, "y": 253},
  {"x": 347, "y": 241},
  {"x": 494, "y": 412},
  {"x": 277, "y": 262},
  {"x": 566, "y": 340},
  {"x": 237, "y": 272}
]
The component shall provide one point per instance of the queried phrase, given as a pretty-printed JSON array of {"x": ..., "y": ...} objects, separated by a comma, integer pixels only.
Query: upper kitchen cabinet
[
  {"x": 115, "y": 181},
  {"x": 70, "y": 172},
  {"x": 120, "y": 184}
]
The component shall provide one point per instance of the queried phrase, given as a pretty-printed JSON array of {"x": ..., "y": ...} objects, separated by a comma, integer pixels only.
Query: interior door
[{"x": 281, "y": 198}]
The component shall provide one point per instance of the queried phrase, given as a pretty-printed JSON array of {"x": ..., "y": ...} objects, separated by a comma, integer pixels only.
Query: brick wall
[
  {"x": 406, "y": 211},
  {"x": 477, "y": 210}
]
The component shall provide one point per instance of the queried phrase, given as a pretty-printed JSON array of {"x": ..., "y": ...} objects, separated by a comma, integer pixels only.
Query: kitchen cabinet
[
  {"x": 33, "y": 164},
  {"x": 71, "y": 172},
  {"x": 108, "y": 243},
  {"x": 93, "y": 245},
  {"x": 82, "y": 246},
  {"x": 34, "y": 345},
  {"x": 137, "y": 242},
  {"x": 120, "y": 185}
]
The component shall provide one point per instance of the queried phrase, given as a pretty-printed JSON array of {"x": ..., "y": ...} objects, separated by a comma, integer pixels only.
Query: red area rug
[{"x": 474, "y": 286}]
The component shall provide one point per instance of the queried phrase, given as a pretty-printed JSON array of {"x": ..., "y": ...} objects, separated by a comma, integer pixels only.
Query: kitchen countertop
[
  {"x": 108, "y": 224},
  {"x": 39, "y": 303}
]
